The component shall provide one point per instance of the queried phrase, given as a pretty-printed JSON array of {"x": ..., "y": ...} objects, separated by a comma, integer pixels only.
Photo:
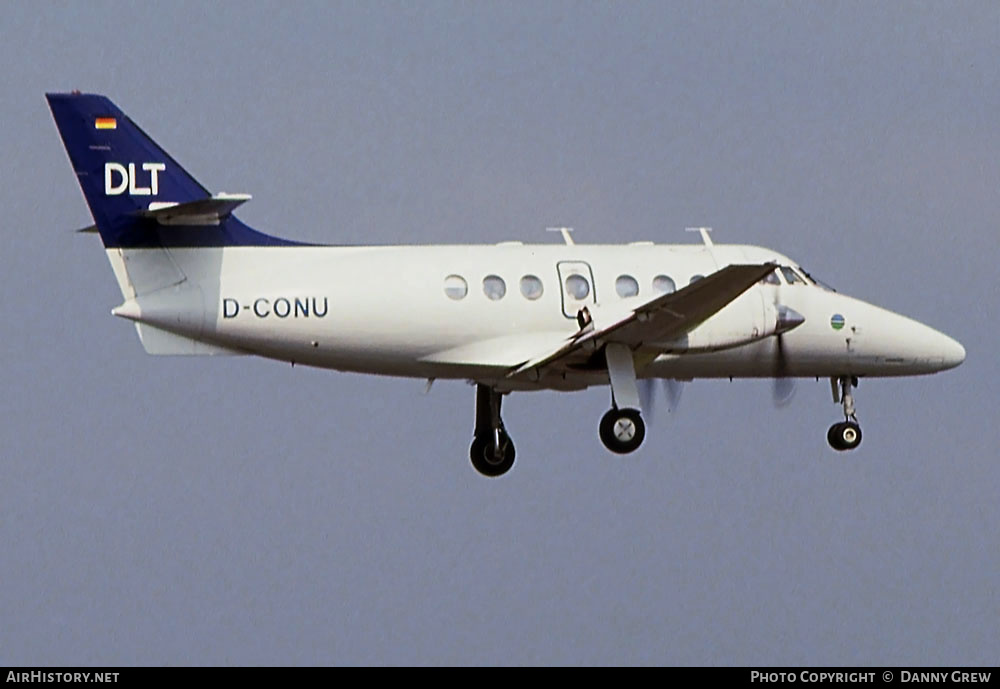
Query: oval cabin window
[
  {"x": 577, "y": 287},
  {"x": 664, "y": 284},
  {"x": 531, "y": 287},
  {"x": 494, "y": 287},
  {"x": 455, "y": 287},
  {"x": 626, "y": 286}
]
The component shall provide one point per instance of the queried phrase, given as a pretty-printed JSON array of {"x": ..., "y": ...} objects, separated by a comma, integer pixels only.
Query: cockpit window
[
  {"x": 820, "y": 283},
  {"x": 791, "y": 277},
  {"x": 771, "y": 278}
]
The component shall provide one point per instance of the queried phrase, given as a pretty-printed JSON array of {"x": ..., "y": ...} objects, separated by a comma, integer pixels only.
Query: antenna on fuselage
[
  {"x": 565, "y": 232},
  {"x": 703, "y": 231}
]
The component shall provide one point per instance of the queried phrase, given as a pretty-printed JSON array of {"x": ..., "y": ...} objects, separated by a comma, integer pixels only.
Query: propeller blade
[
  {"x": 784, "y": 386},
  {"x": 784, "y": 391},
  {"x": 647, "y": 396},
  {"x": 672, "y": 389}
]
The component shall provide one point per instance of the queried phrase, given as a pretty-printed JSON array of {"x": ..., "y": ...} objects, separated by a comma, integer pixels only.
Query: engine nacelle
[{"x": 737, "y": 324}]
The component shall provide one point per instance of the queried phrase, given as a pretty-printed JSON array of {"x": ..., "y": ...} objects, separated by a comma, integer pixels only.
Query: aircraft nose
[
  {"x": 939, "y": 350},
  {"x": 923, "y": 347},
  {"x": 952, "y": 351},
  {"x": 898, "y": 344}
]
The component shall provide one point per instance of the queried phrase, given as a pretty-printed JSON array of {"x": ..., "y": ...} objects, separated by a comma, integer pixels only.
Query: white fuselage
[{"x": 385, "y": 310}]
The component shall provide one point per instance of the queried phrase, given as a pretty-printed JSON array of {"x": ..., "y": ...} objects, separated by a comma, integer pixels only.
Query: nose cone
[
  {"x": 934, "y": 349},
  {"x": 953, "y": 352},
  {"x": 887, "y": 343}
]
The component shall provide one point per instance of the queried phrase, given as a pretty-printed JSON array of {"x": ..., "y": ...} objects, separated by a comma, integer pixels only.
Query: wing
[{"x": 663, "y": 318}]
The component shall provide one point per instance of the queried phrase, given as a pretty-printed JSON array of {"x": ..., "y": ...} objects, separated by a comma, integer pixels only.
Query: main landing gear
[
  {"x": 492, "y": 450},
  {"x": 845, "y": 435},
  {"x": 622, "y": 429}
]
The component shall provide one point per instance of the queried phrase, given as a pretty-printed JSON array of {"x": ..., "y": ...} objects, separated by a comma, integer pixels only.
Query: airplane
[{"x": 506, "y": 317}]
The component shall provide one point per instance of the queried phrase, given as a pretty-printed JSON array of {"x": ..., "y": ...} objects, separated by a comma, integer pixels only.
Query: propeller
[
  {"x": 783, "y": 390},
  {"x": 672, "y": 390},
  {"x": 647, "y": 395},
  {"x": 784, "y": 385}
]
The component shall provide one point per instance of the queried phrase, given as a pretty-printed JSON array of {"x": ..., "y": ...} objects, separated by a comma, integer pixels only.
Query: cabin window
[
  {"x": 455, "y": 287},
  {"x": 695, "y": 278},
  {"x": 577, "y": 287},
  {"x": 531, "y": 287},
  {"x": 626, "y": 286},
  {"x": 791, "y": 277},
  {"x": 494, "y": 287},
  {"x": 664, "y": 284}
]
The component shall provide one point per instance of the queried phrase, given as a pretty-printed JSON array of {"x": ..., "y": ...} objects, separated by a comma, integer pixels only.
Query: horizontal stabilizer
[{"x": 208, "y": 211}]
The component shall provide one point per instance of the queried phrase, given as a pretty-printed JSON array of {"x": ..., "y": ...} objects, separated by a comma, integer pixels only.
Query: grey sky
[{"x": 170, "y": 510}]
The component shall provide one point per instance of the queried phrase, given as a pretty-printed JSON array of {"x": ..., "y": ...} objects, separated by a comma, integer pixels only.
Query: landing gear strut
[
  {"x": 845, "y": 435},
  {"x": 622, "y": 429},
  {"x": 492, "y": 450}
]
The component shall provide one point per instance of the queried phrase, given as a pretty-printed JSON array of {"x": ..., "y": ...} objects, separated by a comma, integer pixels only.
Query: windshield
[
  {"x": 791, "y": 277},
  {"x": 820, "y": 283}
]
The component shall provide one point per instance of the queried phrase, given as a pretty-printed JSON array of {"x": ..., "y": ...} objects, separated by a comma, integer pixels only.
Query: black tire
[
  {"x": 622, "y": 430},
  {"x": 833, "y": 436},
  {"x": 483, "y": 458},
  {"x": 844, "y": 436}
]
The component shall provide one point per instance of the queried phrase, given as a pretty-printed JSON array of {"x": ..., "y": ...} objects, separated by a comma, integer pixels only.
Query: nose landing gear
[{"x": 845, "y": 435}]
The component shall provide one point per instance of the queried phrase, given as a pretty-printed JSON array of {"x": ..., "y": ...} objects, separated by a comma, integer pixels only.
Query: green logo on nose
[{"x": 837, "y": 322}]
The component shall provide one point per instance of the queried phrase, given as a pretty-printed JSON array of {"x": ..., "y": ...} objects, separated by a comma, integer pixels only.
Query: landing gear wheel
[
  {"x": 492, "y": 449},
  {"x": 832, "y": 436},
  {"x": 622, "y": 430},
  {"x": 845, "y": 435},
  {"x": 490, "y": 461}
]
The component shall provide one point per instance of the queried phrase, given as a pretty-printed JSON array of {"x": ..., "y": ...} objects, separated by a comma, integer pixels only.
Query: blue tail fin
[{"x": 125, "y": 174}]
